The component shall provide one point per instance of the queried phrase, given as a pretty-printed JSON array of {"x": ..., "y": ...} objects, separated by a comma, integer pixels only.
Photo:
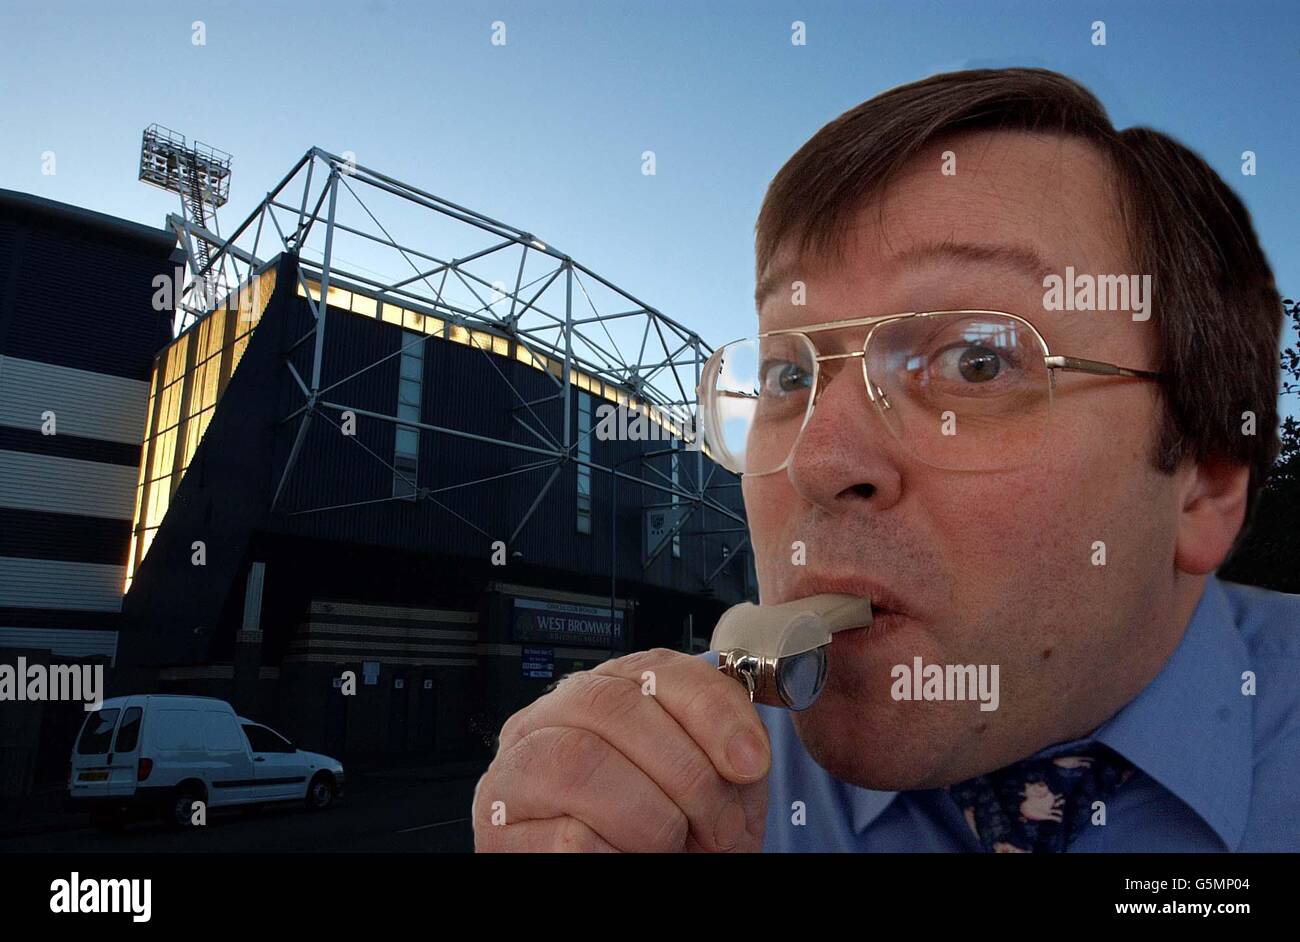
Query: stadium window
[
  {"x": 146, "y": 541},
  {"x": 391, "y": 314},
  {"x": 584, "y": 471},
  {"x": 261, "y": 292},
  {"x": 406, "y": 447},
  {"x": 244, "y": 314},
  {"x": 263, "y": 288},
  {"x": 191, "y": 441},
  {"x": 677, "y": 536},
  {"x": 210, "y": 382},
  {"x": 524, "y": 355},
  {"x": 130, "y": 565},
  {"x": 139, "y": 505},
  {"x": 363, "y": 305},
  {"x": 175, "y": 360},
  {"x": 413, "y": 320},
  {"x": 159, "y": 498},
  {"x": 340, "y": 298},
  {"x": 237, "y": 351},
  {"x": 170, "y": 410},
  {"x": 148, "y": 412}
]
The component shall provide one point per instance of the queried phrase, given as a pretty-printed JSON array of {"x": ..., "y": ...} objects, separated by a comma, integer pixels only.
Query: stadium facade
[
  {"x": 77, "y": 340},
  {"x": 399, "y": 476}
]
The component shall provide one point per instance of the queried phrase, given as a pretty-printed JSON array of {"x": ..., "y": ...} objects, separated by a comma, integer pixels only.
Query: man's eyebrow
[
  {"x": 1019, "y": 258},
  {"x": 772, "y": 280}
]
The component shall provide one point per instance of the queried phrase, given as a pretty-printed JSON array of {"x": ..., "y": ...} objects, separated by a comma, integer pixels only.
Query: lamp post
[{"x": 613, "y": 529}]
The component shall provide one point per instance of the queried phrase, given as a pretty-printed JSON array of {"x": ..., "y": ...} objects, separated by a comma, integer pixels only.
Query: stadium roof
[{"x": 342, "y": 220}]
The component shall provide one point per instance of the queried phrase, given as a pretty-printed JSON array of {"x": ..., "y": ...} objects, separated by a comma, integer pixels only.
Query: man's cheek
[
  {"x": 766, "y": 513},
  {"x": 987, "y": 536}
]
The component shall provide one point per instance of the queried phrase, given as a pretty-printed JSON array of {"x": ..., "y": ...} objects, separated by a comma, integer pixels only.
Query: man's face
[{"x": 989, "y": 568}]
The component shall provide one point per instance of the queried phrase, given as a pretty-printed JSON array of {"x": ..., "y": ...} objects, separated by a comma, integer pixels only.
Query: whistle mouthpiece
[
  {"x": 778, "y": 651},
  {"x": 789, "y": 628}
]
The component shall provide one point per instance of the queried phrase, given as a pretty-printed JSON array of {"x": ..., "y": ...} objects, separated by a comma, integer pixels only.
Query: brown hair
[{"x": 1218, "y": 328}]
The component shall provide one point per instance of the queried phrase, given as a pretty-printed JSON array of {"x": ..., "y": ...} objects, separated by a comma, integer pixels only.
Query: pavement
[
  {"x": 383, "y": 809},
  {"x": 39, "y": 813}
]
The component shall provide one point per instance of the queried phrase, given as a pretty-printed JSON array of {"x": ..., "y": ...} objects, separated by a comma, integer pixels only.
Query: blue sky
[{"x": 547, "y": 132}]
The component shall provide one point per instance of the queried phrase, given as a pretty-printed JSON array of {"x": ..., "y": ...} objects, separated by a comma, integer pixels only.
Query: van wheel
[
  {"x": 320, "y": 793},
  {"x": 181, "y": 814}
]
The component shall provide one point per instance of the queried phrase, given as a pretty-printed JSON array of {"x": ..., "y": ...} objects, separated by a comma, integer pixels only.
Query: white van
[{"x": 160, "y": 754}]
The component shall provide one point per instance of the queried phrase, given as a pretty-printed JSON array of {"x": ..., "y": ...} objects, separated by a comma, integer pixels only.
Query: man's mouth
[
  {"x": 885, "y": 604},
  {"x": 883, "y": 622}
]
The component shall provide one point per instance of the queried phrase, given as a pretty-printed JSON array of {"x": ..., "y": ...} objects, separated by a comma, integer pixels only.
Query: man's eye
[
  {"x": 971, "y": 363},
  {"x": 781, "y": 377}
]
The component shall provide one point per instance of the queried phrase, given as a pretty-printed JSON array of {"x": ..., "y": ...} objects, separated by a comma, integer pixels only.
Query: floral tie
[{"x": 1042, "y": 803}]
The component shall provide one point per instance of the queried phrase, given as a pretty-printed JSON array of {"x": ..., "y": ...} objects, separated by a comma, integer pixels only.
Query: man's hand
[{"x": 602, "y": 764}]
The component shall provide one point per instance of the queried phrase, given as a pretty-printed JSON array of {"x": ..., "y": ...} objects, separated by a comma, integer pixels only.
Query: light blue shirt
[{"x": 1217, "y": 770}]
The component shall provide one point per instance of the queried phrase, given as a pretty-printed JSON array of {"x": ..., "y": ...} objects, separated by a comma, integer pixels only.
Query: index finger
[{"x": 712, "y": 708}]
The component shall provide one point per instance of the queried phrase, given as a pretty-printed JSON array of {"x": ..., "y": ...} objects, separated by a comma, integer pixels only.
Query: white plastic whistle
[{"x": 778, "y": 651}]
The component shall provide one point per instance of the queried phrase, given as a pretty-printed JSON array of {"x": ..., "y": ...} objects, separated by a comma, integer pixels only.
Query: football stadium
[{"x": 359, "y": 433}]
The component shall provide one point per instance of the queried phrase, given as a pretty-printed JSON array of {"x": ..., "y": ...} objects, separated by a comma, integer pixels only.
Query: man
[{"x": 1043, "y": 522}]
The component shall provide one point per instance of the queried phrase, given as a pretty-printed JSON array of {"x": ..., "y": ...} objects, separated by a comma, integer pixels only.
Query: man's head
[{"x": 931, "y": 197}]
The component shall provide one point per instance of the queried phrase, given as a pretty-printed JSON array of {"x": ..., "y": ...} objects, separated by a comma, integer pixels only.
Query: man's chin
[
  {"x": 861, "y": 735},
  {"x": 888, "y": 753}
]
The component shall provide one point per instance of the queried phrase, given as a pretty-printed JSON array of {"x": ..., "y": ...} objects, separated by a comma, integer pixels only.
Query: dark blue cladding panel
[
  {"x": 79, "y": 294},
  {"x": 35, "y": 534}
]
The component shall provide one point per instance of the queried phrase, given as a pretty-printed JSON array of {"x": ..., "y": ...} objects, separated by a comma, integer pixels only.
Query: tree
[{"x": 1269, "y": 555}]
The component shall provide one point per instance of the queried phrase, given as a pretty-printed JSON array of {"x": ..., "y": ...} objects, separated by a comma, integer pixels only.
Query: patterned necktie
[{"x": 1040, "y": 804}]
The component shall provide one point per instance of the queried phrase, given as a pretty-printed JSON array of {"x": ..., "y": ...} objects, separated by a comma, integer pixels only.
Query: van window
[
  {"x": 98, "y": 732},
  {"x": 262, "y": 739},
  {"x": 128, "y": 734}
]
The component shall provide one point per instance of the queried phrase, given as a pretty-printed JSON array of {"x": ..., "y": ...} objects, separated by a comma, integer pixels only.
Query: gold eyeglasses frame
[{"x": 712, "y": 366}]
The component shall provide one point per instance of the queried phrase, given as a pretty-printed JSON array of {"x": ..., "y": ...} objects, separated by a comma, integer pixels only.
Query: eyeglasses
[{"x": 961, "y": 390}]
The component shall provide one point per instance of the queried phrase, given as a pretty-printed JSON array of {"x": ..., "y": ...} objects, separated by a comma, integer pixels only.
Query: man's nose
[{"x": 845, "y": 453}]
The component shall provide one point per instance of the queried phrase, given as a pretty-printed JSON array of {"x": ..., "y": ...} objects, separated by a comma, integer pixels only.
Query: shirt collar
[
  {"x": 1190, "y": 729},
  {"x": 865, "y": 805}
]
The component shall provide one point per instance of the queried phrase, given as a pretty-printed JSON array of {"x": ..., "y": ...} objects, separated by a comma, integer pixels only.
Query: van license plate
[{"x": 93, "y": 776}]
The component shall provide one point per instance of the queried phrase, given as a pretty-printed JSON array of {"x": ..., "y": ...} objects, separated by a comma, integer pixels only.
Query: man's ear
[{"x": 1211, "y": 513}]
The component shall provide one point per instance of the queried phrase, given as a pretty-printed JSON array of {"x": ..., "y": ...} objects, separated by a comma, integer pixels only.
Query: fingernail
[
  {"x": 746, "y": 754},
  {"x": 729, "y": 827}
]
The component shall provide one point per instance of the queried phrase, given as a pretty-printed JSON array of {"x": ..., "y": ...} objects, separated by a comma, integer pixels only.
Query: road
[{"x": 388, "y": 815}]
